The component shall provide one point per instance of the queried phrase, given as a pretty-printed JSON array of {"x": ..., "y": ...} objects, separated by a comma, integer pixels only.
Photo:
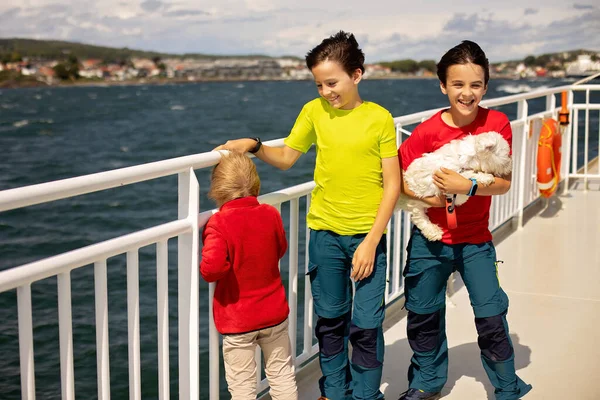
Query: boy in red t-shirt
[
  {"x": 464, "y": 74},
  {"x": 243, "y": 243}
]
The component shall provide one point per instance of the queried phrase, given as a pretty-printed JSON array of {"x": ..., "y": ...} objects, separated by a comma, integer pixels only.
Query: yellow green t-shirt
[{"x": 350, "y": 145}]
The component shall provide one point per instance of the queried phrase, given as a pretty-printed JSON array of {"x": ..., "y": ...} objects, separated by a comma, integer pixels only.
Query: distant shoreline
[
  {"x": 168, "y": 81},
  {"x": 11, "y": 84}
]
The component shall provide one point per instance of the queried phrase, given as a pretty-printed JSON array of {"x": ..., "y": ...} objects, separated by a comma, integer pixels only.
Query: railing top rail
[
  {"x": 37, "y": 270},
  {"x": 287, "y": 194},
  {"x": 64, "y": 188}
]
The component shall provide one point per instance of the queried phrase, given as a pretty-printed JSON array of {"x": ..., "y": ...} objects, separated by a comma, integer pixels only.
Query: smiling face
[
  {"x": 465, "y": 87},
  {"x": 336, "y": 86}
]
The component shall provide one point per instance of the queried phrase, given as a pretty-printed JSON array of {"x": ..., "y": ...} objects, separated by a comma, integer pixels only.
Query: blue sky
[{"x": 385, "y": 29}]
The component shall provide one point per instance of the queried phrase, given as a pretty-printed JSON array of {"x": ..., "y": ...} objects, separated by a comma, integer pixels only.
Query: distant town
[{"x": 67, "y": 67}]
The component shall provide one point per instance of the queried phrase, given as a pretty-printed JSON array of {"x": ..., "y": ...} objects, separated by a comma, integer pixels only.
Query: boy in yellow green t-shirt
[{"x": 357, "y": 177}]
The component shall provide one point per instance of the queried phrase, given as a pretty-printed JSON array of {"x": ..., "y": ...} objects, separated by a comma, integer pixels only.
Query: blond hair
[{"x": 233, "y": 177}]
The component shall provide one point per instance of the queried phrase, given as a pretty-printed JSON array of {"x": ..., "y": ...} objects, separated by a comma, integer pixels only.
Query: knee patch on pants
[
  {"x": 423, "y": 331},
  {"x": 493, "y": 338},
  {"x": 330, "y": 332},
  {"x": 366, "y": 346}
]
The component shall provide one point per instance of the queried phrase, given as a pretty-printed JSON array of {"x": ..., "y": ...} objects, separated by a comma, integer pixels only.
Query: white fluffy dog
[{"x": 480, "y": 156}]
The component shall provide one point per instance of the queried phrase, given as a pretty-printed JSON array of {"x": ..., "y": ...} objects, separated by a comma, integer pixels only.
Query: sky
[{"x": 386, "y": 30}]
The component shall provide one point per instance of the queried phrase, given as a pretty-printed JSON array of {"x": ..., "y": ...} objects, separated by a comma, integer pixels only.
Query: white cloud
[{"x": 386, "y": 29}]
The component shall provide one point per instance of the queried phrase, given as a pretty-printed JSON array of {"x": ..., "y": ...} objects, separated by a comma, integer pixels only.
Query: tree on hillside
[
  {"x": 543, "y": 60},
  {"x": 61, "y": 72},
  {"x": 72, "y": 59},
  {"x": 529, "y": 61},
  {"x": 429, "y": 65},
  {"x": 404, "y": 66},
  {"x": 68, "y": 70},
  {"x": 15, "y": 57}
]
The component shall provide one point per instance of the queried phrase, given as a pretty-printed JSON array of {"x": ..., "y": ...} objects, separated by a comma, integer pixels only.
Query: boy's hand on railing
[{"x": 238, "y": 145}]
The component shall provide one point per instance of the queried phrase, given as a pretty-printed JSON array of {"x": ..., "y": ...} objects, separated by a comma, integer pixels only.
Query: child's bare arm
[
  {"x": 280, "y": 157},
  {"x": 364, "y": 256}
]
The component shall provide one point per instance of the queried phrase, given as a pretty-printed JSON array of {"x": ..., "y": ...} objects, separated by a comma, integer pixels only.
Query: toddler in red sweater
[{"x": 243, "y": 243}]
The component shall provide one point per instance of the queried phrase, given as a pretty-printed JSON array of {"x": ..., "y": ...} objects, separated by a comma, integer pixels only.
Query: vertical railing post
[
  {"x": 401, "y": 230},
  {"x": 213, "y": 338},
  {"x": 133, "y": 324},
  {"x": 293, "y": 273},
  {"x": 551, "y": 103},
  {"x": 308, "y": 300},
  {"x": 575, "y": 142},
  {"x": 587, "y": 140},
  {"x": 522, "y": 111},
  {"x": 101, "y": 307},
  {"x": 397, "y": 249},
  {"x": 65, "y": 326},
  {"x": 388, "y": 268},
  {"x": 567, "y": 154},
  {"x": 213, "y": 347},
  {"x": 25, "y": 323},
  {"x": 187, "y": 261},
  {"x": 162, "y": 305}
]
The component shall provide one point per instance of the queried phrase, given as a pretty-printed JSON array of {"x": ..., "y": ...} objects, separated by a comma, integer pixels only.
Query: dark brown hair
[
  {"x": 465, "y": 53},
  {"x": 342, "y": 48}
]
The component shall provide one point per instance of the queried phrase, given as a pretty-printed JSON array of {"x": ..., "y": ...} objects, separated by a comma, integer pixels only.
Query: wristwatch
[
  {"x": 473, "y": 187},
  {"x": 257, "y": 146}
]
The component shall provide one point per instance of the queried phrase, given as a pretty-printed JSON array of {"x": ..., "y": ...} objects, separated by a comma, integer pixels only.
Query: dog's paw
[
  {"x": 485, "y": 179},
  {"x": 432, "y": 232}
]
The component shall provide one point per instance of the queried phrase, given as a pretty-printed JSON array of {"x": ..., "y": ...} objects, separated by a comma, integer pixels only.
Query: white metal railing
[{"x": 186, "y": 228}]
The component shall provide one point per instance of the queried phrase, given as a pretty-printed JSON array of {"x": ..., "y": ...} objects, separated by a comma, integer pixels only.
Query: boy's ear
[
  {"x": 357, "y": 75},
  {"x": 443, "y": 88}
]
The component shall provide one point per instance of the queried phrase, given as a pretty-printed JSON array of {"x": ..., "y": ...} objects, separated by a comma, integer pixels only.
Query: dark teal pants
[
  {"x": 428, "y": 267},
  {"x": 342, "y": 320}
]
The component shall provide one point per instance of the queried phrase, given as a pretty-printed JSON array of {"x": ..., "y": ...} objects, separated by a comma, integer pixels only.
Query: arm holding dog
[{"x": 452, "y": 182}]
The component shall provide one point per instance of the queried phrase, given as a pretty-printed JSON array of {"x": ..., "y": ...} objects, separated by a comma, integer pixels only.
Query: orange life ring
[{"x": 548, "y": 157}]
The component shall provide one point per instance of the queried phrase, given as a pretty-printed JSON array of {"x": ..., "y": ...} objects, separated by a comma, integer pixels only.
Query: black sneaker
[{"x": 416, "y": 394}]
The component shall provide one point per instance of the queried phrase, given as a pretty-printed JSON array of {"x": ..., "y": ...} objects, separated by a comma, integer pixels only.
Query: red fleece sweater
[{"x": 243, "y": 243}]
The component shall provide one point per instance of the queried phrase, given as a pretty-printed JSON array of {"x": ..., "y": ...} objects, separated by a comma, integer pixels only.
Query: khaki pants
[{"x": 240, "y": 365}]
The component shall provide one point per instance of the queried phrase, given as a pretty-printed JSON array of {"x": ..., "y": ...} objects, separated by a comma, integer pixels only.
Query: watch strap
[
  {"x": 257, "y": 146},
  {"x": 473, "y": 189}
]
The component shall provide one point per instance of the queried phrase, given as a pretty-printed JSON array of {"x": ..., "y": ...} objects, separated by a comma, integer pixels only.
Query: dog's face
[{"x": 492, "y": 153}]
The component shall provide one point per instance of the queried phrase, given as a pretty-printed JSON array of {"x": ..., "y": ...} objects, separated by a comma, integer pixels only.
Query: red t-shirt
[{"x": 430, "y": 135}]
